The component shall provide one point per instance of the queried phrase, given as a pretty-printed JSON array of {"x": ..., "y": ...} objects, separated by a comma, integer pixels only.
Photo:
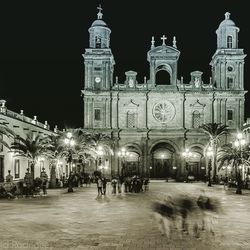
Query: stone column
[
  {"x": 182, "y": 115},
  {"x": 218, "y": 109},
  {"x": 223, "y": 111}
]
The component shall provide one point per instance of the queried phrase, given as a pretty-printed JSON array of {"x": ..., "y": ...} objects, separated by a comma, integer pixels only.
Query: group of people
[
  {"x": 28, "y": 187},
  {"x": 185, "y": 214},
  {"x": 75, "y": 180},
  {"x": 134, "y": 184}
]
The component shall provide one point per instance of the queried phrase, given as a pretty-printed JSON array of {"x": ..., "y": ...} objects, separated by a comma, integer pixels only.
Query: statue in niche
[
  {"x": 131, "y": 82},
  {"x": 197, "y": 82}
]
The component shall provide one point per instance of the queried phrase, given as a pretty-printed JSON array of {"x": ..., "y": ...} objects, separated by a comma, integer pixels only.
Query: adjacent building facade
[
  {"x": 155, "y": 120},
  {"x": 21, "y": 125}
]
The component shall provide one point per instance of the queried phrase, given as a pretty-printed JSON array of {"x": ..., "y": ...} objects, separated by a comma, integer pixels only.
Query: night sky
[{"x": 41, "y": 46}]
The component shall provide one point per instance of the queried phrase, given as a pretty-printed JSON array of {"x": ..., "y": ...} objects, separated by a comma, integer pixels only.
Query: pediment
[
  {"x": 197, "y": 104},
  {"x": 163, "y": 49},
  {"x": 131, "y": 104}
]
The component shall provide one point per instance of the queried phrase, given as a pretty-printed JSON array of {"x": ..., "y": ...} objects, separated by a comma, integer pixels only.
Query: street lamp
[
  {"x": 103, "y": 168},
  {"x": 70, "y": 142},
  {"x": 239, "y": 144},
  {"x": 123, "y": 153},
  {"x": 187, "y": 155},
  {"x": 209, "y": 155}
]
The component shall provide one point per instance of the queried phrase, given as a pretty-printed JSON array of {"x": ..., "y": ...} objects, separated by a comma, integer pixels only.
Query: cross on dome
[
  {"x": 99, "y": 14},
  {"x": 153, "y": 42},
  {"x": 227, "y": 15},
  {"x": 163, "y": 38},
  {"x": 174, "y": 42}
]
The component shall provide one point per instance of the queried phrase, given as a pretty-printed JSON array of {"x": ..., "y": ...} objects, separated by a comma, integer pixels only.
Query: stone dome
[
  {"x": 227, "y": 21},
  {"x": 99, "y": 22}
]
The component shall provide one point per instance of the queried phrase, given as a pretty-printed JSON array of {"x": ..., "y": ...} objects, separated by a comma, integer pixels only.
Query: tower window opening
[
  {"x": 98, "y": 42},
  {"x": 97, "y": 114},
  {"x": 163, "y": 78},
  {"x": 229, "y": 42},
  {"x": 230, "y": 115},
  {"x": 230, "y": 82}
]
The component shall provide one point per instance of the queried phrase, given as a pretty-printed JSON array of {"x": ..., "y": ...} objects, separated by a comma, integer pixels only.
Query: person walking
[
  {"x": 104, "y": 185},
  {"x": 99, "y": 185},
  {"x": 114, "y": 183},
  {"x": 119, "y": 184}
]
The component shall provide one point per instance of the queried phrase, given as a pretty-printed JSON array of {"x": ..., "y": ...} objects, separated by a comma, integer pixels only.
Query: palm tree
[
  {"x": 5, "y": 131},
  {"x": 214, "y": 131},
  {"x": 81, "y": 149},
  {"x": 32, "y": 147},
  {"x": 235, "y": 157},
  {"x": 104, "y": 142},
  {"x": 55, "y": 154}
]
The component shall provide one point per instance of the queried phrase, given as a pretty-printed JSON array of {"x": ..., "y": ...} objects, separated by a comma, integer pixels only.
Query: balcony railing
[{"x": 21, "y": 117}]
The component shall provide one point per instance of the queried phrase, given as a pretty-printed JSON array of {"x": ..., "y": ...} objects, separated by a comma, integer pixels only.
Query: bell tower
[
  {"x": 98, "y": 58},
  {"x": 228, "y": 61}
]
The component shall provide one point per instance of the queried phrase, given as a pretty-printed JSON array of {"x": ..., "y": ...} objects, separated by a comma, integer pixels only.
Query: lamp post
[
  {"x": 123, "y": 153},
  {"x": 239, "y": 144},
  {"x": 186, "y": 155},
  {"x": 209, "y": 155},
  {"x": 70, "y": 142},
  {"x": 103, "y": 168}
]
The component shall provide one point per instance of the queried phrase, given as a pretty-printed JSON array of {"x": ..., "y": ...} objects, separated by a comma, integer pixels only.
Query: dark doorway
[
  {"x": 162, "y": 78},
  {"x": 163, "y": 161},
  {"x": 130, "y": 164},
  {"x": 162, "y": 168}
]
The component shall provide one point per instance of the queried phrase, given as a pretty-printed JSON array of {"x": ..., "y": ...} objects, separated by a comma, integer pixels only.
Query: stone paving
[{"x": 81, "y": 220}]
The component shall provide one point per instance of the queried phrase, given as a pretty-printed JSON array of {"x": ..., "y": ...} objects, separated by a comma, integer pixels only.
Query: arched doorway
[
  {"x": 163, "y": 161},
  {"x": 130, "y": 164},
  {"x": 162, "y": 77},
  {"x": 196, "y": 164}
]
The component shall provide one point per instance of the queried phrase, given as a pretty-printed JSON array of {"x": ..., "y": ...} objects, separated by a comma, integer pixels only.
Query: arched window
[
  {"x": 162, "y": 78},
  {"x": 229, "y": 42},
  {"x": 230, "y": 82},
  {"x": 98, "y": 42},
  {"x": 196, "y": 119}
]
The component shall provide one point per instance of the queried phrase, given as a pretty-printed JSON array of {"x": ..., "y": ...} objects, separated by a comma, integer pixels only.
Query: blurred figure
[
  {"x": 187, "y": 214},
  {"x": 146, "y": 184},
  {"x": 99, "y": 185},
  {"x": 44, "y": 178},
  {"x": 165, "y": 215},
  {"x": 104, "y": 185},
  {"x": 28, "y": 183},
  {"x": 114, "y": 183}
]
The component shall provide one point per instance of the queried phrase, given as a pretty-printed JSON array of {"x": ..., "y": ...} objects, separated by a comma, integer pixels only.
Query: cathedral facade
[{"x": 154, "y": 121}]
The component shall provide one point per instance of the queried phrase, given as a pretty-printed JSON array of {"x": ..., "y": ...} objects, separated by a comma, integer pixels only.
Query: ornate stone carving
[{"x": 164, "y": 111}]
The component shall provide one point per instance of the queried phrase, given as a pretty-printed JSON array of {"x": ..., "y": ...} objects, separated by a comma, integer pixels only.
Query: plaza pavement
[{"x": 81, "y": 220}]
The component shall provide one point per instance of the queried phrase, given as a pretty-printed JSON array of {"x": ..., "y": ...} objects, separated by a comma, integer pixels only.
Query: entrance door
[
  {"x": 161, "y": 169},
  {"x": 1, "y": 169},
  {"x": 163, "y": 156},
  {"x": 194, "y": 169},
  {"x": 131, "y": 169}
]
